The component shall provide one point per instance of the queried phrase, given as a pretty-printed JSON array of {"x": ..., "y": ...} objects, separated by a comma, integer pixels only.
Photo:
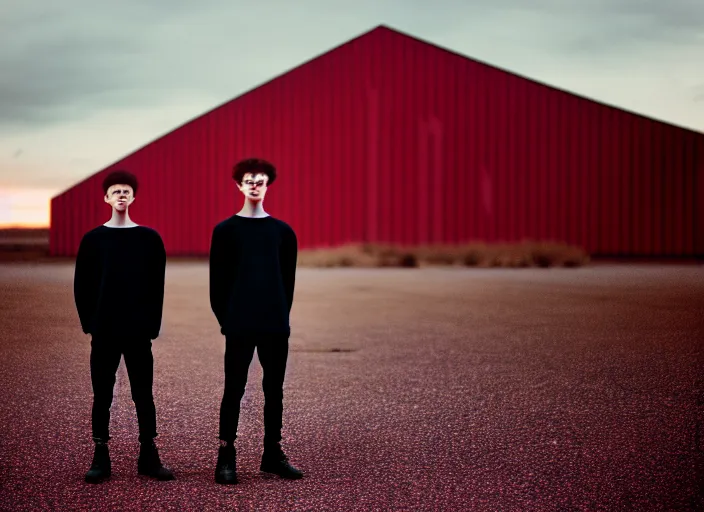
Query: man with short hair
[
  {"x": 253, "y": 260},
  {"x": 119, "y": 294}
]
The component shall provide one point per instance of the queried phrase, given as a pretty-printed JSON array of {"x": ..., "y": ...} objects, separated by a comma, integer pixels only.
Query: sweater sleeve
[
  {"x": 221, "y": 271},
  {"x": 158, "y": 274},
  {"x": 288, "y": 260},
  {"x": 85, "y": 283}
]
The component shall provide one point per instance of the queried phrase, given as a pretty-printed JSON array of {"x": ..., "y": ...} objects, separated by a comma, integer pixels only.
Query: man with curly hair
[
  {"x": 253, "y": 260},
  {"x": 119, "y": 294}
]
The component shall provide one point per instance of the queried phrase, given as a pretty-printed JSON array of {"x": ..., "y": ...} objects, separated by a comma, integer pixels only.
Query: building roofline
[
  {"x": 222, "y": 104},
  {"x": 539, "y": 82},
  {"x": 377, "y": 28}
]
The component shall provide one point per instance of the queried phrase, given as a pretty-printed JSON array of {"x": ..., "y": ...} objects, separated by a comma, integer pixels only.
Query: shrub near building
[{"x": 525, "y": 254}]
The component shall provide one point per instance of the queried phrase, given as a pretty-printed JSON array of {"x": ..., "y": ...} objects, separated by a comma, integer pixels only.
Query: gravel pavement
[{"x": 406, "y": 389}]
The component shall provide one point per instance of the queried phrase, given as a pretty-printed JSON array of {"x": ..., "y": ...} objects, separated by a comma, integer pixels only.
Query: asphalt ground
[{"x": 406, "y": 389}]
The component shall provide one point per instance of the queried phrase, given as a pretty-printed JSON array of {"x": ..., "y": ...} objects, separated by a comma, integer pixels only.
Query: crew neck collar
[{"x": 253, "y": 218}]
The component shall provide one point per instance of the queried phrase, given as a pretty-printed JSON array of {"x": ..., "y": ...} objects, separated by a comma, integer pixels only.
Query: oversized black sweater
[
  {"x": 252, "y": 275},
  {"x": 119, "y": 282}
]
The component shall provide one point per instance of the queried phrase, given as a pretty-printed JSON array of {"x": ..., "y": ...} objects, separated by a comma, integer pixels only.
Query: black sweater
[
  {"x": 118, "y": 283},
  {"x": 252, "y": 275}
]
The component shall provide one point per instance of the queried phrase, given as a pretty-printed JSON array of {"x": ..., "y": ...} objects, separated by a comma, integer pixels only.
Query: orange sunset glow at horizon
[{"x": 25, "y": 208}]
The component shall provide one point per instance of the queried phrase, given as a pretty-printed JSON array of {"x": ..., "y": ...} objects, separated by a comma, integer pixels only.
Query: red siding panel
[
  {"x": 390, "y": 139},
  {"x": 688, "y": 162},
  {"x": 656, "y": 188},
  {"x": 674, "y": 180},
  {"x": 698, "y": 199},
  {"x": 619, "y": 197},
  {"x": 542, "y": 159},
  {"x": 574, "y": 172},
  {"x": 633, "y": 161},
  {"x": 646, "y": 173},
  {"x": 667, "y": 178},
  {"x": 502, "y": 158}
]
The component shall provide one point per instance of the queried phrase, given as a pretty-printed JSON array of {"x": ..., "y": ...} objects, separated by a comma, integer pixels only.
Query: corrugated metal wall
[{"x": 390, "y": 139}]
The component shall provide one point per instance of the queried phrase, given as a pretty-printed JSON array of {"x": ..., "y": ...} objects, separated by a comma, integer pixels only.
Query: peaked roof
[
  {"x": 388, "y": 29},
  {"x": 525, "y": 77},
  {"x": 371, "y": 33}
]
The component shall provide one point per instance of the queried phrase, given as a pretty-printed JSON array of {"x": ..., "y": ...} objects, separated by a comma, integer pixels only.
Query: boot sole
[
  {"x": 226, "y": 482},
  {"x": 99, "y": 480},
  {"x": 161, "y": 479},
  {"x": 286, "y": 477}
]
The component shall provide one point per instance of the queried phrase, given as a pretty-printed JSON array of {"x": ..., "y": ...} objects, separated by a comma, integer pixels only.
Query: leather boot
[
  {"x": 226, "y": 469},
  {"x": 275, "y": 461},
  {"x": 149, "y": 463},
  {"x": 100, "y": 470}
]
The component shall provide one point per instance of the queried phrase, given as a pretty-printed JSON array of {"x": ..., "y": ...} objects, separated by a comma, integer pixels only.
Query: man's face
[
  {"x": 119, "y": 197},
  {"x": 254, "y": 186}
]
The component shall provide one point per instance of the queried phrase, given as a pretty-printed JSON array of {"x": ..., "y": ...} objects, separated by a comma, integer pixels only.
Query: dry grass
[
  {"x": 32, "y": 245},
  {"x": 357, "y": 255},
  {"x": 516, "y": 255},
  {"x": 23, "y": 244}
]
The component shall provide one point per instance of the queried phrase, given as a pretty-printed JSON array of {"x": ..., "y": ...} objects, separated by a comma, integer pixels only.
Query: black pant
[
  {"x": 272, "y": 351},
  {"x": 105, "y": 356}
]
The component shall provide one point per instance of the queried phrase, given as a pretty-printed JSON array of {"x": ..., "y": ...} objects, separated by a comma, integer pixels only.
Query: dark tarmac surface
[{"x": 418, "y": 390}]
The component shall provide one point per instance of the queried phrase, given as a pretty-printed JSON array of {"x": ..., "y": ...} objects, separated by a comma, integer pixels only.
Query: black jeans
[
  {"x": 105, "y": 356},
  {"x": 272, "y": 351}
]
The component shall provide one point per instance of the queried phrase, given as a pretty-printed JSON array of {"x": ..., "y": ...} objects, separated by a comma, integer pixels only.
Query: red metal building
[{"x": 388, "y": 138}]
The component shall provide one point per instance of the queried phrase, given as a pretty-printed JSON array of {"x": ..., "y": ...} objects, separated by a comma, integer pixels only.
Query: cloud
[
  {"x": 62, "y": 60},
  {"x": 63, "y": 63},
  {"x": 83, "y": 83},
  {"x": 56, "y": 156},
  {"x": 698, "y": 93}
]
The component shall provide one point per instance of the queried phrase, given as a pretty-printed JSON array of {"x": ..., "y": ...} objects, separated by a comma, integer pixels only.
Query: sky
[{"x": 85, "y": 82}]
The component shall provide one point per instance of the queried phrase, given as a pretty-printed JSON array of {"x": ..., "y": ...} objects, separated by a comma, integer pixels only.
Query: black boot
[
  {"x": 100, "y": 470},
  {"x": 274, "y": 461},
  {"x": 226, "y": 469},
  {"x": 149, "y": 462}
]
